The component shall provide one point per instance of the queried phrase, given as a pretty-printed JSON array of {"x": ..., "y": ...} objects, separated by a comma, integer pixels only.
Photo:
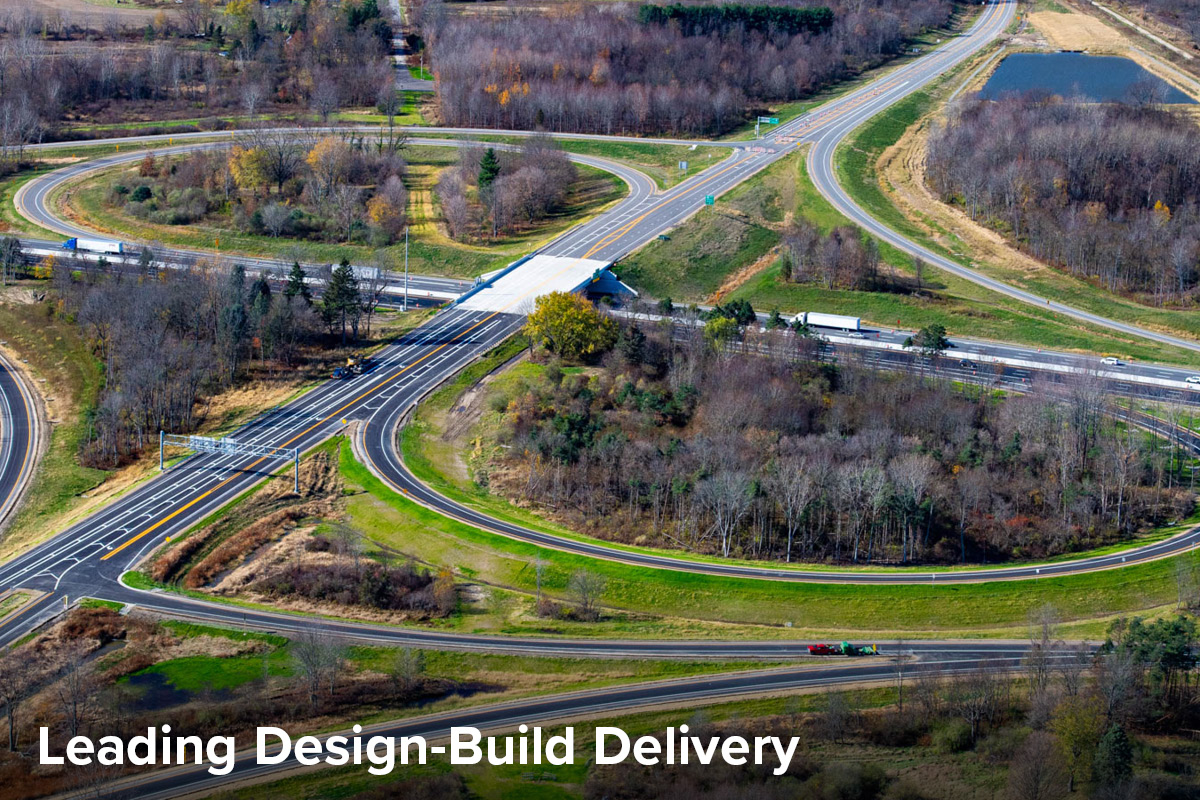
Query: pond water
[
  {"x": 152, "y": 692},
  {"x": 1096, "y": 78}
]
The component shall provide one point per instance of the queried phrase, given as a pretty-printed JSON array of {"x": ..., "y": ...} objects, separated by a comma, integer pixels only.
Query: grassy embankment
[
  {"x": 664, "y": 603},
  {"x": 431, "y": 252},
  {"x": 857, "y": 162},
  {"x": 507, "y": 676},
  {"x": 730, "y": 251},
  {"x": 508, "y": 782},
  {"x": 65, "y": 370},
  {"x": 926, "y": 768}
]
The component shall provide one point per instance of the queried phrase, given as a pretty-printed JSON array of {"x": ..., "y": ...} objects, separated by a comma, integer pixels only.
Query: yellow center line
[
  {"x": 141, "y": 535},
  {"x": 23, "y": 609},
  {"x": 611, "y": 238}
]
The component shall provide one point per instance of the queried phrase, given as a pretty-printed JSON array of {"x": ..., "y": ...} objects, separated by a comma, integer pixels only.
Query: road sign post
[
  {"x": 205, "y": 444},
  {"x": 762, "y": 121}
]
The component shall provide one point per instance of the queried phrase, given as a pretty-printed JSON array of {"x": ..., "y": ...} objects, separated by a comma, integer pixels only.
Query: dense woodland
[
  {"x": 777, "y": 457},
  {"x": 202, "y": 61},
  {"x": 600, "y": 68},
  {"x": 169, "y": 338},
  {"x": 1107, "y": 192}
]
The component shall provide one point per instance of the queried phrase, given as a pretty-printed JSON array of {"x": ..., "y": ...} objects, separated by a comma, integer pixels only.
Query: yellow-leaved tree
[
  {"x": 328, "y": 159},
  {"x": 248, "y": 166},
  {"x": 569, "y": 326}
]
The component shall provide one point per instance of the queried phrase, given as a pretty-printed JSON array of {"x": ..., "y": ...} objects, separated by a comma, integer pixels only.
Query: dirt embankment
[
  {"x": 275, "y": 535},
  {"x": 1080, "y": 31},
  {"x": 901, "y": 167},
  {"x": 201, "y": 559}
]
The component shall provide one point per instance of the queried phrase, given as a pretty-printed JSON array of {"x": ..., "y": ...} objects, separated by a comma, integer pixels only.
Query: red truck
[{"x": 843, "y": 649}]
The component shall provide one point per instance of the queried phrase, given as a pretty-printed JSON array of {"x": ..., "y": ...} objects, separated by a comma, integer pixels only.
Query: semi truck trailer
[
  {"x": 94, "y": 246},
  {"x": 838, "y": 321}
]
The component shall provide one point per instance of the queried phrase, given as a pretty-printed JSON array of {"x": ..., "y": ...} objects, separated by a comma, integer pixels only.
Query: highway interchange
[{"x": 89, "y": 557}]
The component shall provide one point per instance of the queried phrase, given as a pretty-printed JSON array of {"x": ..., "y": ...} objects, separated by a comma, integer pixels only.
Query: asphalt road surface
[
  {"x": 505, "y": 717},
  {"x": 90, "y": 555},
  {"x": 18, "y": 438}
]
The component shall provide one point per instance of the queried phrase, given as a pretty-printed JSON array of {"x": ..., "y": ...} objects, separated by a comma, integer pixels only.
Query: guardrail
[{"x": 479, "y": 287}]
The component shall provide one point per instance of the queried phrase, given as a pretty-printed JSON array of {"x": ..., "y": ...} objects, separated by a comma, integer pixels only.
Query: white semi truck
[
  {"x": 819, "y": 320},
  {"x": 95, "y": 246}
]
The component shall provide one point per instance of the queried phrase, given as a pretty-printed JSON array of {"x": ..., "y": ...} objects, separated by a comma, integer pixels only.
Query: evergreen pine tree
[
  {"x": 341, "y": 302},
  {"x": 296, "y": 287},
  {"x": 1114, "y": 757},
  {"x": 489, "y": 169}
]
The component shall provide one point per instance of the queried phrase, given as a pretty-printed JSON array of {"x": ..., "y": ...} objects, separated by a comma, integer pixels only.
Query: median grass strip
[{"x": 493, "y": 676}]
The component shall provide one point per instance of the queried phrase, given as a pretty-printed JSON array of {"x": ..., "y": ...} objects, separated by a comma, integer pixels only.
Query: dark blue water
[{"x": 1095, "y": 78}]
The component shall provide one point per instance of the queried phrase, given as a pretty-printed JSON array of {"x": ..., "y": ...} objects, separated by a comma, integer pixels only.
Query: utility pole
[{"x": 406, "y": 268}]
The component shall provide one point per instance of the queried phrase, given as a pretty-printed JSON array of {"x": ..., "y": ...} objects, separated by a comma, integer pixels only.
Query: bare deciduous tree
[
  {"x": 18, "y": 680},
  {"x": 587, "y": 588}
]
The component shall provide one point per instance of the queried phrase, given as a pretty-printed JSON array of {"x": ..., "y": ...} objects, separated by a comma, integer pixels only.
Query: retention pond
[{"x": 1098, "y": 79}]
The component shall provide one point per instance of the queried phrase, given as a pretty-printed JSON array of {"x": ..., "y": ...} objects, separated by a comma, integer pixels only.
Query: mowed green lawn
[{"x": 924, "y": 608}]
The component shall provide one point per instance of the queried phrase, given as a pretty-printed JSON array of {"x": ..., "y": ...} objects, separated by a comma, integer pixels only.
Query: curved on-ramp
[{"x": 20, "y": 430}]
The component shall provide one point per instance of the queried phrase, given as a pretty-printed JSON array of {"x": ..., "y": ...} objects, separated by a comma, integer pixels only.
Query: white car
[
  {"x": 1194, "y": 380},
  {"x": 1112, "y": 361}
]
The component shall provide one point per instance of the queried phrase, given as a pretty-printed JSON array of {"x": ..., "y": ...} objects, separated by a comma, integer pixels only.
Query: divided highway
[{"x": 89, "y": 557}]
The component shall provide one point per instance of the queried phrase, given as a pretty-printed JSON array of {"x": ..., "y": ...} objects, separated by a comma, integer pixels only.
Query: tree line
[
  {"x": 598, "y": 69},
  {"x": 1107, "y": 192},
  {"x": 248, "y": 57},
  {"x": 168, "y": 338},
  {"x": 493, "y": 191},
  {"x": 703, "y": 20},
  {"x": 679, "y": 440}
]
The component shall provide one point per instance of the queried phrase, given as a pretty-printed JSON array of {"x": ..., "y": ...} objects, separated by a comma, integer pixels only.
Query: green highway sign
[
  {"x": 769, "y": 120},
  {"x": 709, "y": 200}
]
